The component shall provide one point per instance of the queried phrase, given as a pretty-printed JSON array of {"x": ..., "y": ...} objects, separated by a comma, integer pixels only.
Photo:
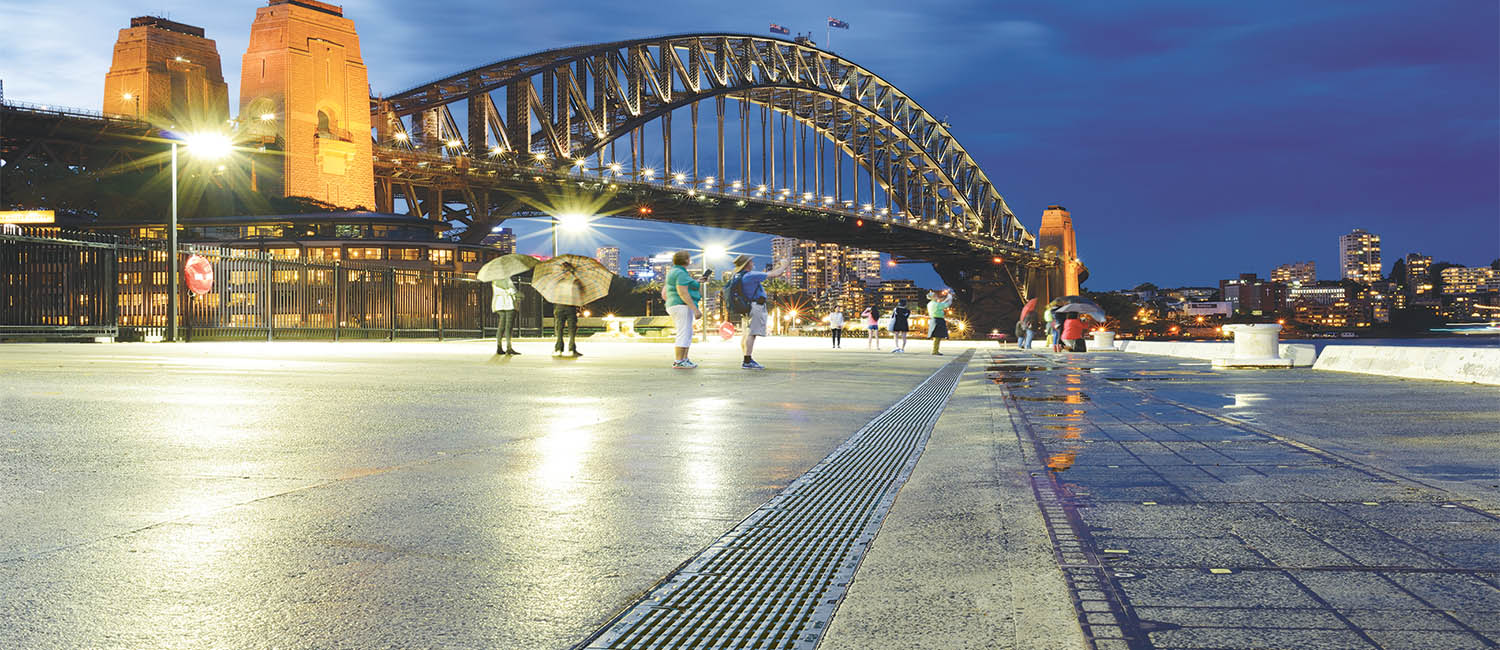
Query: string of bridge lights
[{"x": 703, "y": 188}]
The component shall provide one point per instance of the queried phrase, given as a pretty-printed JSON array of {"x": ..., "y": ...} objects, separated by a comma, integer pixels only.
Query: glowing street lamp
[
  {"x": 137, "y": 99},
  {"x": 714, "y": 251},
  {"x": 570, "y": 222},
  {"x": 203, "y": 146}
]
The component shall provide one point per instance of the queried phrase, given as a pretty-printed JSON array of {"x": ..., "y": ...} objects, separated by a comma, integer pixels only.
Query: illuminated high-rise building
[
  {"x": 1296, "y": 274},
  {"x": 501, "y": 238},
  {"x": 609, "y": 256},
  {"x": 660, "y": 263},
  {"x": 639, "y": 268},
  {"x": 1359, "y": 256},
  {"x": 1419, "y": 276},
  {"x": 830, "y": 273}
]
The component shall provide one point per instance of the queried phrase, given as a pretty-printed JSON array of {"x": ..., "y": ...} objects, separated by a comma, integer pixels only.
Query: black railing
[{"x": 63, "y": 284}]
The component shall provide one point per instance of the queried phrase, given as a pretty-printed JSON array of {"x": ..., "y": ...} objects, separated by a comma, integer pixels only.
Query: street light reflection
[{"x": 567, "y": 445}]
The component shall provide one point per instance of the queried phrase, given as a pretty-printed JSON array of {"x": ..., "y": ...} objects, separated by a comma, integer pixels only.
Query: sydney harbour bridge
[{"x": 723, "y": 130}]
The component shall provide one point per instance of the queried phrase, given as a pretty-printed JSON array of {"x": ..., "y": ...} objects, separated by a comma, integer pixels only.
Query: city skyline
[{"x": 1197, "y": 109}]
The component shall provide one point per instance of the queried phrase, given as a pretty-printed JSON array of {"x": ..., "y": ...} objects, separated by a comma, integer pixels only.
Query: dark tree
[{"x": 1398, "y": 273}]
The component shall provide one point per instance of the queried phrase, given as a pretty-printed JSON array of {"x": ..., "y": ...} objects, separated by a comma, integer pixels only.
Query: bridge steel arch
[
  {"x": 557, "y": 110},
  {"x": 572, "y": 102}
]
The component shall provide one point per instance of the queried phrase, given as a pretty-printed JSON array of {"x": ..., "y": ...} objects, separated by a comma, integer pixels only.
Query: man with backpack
[{"x": 746, "y": 297}]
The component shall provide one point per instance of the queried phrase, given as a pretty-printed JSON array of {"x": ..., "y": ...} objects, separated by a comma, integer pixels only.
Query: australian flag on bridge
[
  {"x": 837, "y": 24},
  {"x": 778, "y": 29}
]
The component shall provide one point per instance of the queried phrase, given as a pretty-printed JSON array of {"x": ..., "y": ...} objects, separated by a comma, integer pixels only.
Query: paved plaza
[{"x": 425, "y": 494}]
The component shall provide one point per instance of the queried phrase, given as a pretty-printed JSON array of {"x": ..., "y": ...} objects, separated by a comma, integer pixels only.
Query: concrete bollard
[
  {"x": 1255, "y": 346},
  {"x": 1103, "y": 341}
]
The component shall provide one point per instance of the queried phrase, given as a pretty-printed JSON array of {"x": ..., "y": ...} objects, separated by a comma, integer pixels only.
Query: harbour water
[{"x": 1469, "y": 341}]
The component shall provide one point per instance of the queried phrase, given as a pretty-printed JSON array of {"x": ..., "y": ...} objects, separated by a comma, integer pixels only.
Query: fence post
[
  {"x": 437, "y": 289},
  {"x": 270, "y": 312},
  {"x": 112, "y": 287},
  {"x": 338, "y": 302},
  {"x": 390, "y": 295}
]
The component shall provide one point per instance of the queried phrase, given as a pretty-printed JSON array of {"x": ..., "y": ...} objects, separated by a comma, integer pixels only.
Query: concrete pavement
[{"x": 431, "y": 495}]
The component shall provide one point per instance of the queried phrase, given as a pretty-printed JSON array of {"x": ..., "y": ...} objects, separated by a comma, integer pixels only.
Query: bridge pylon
[{"x": 304, "y": 85}]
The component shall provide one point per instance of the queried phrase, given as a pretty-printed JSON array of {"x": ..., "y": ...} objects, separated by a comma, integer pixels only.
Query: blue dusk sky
[{"x": 1191, "y": 140}]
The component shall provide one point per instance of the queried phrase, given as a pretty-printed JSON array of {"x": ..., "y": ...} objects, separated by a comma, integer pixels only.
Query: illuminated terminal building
[{"x": 393, "y": 240}]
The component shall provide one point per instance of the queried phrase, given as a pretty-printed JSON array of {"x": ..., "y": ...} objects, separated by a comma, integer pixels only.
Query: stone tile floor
[{"x": 1181, "y": 527}]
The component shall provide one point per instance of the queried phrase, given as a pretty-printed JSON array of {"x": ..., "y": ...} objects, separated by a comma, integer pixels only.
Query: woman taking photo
[{"x": 681, "y": 291}]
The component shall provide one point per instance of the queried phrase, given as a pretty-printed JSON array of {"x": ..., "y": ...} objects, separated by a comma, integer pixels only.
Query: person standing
[
  {"x": 900, "y": 325},
  {"x": 937, "y": 309},
  {"x": 565, "y": 316},
  {"x": 751, "y": 286},
  {"x": 1072, "y": 333},
  {"x": 504, "y": 306},
  {"x": 871, "y": 316},
  {"x": 1026, "y": 330},
  {"x": 836, "y": 327},
  {"x": 1054, "y": 331},
  {"x": 681, "y": 291}
]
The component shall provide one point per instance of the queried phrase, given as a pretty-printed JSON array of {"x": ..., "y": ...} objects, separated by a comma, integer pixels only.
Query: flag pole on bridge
[{"x": 828, "y": 31}]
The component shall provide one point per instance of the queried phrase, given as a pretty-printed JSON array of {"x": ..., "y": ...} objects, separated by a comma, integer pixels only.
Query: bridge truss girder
[{"x": 575, "y": 103}]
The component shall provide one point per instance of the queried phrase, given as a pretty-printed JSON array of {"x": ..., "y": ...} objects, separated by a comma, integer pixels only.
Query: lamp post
[
  {"x": 713, "y": 250},
  {"x": 207, "y": 146},
  {"x": 137, "y": 98}
]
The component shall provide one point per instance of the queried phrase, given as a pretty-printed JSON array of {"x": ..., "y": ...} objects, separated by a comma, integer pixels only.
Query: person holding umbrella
[
  {"x": 681, "y": 291},
  {"x": 1072, "y": 332},
  {"x": 504, "y": 306},
  {"x": 498, "y": 273},
  {"x": 570, "y": 282},
  {"x": 1027, "y": 325}
]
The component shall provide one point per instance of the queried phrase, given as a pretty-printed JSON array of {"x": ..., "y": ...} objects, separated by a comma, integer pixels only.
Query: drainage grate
[{"x": 775, "y": 580}]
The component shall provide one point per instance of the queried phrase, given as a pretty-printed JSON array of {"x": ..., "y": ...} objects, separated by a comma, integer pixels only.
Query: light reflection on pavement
[{"x": 384, "y": 495}]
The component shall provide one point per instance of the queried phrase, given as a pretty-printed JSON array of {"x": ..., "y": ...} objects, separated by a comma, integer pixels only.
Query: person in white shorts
[
  {"x": 682, "y": 291},
  {"x": 751, "y": 286}
]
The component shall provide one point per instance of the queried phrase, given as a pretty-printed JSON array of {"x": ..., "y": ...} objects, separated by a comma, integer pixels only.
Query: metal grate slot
[{"x": 775, "y": 580}]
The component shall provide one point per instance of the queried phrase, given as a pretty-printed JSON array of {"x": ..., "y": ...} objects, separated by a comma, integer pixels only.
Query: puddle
[
  {"x": 1078, "y": 398},
  {"x": 1016, "y": 368},
  {"x": 1061, "y": 462},
  {"x": 1009, "y": 380},
  {"x": 1140, "y": 379}
]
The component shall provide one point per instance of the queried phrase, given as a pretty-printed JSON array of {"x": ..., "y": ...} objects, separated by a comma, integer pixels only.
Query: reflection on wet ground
[{"x": 1180, "y": 523}]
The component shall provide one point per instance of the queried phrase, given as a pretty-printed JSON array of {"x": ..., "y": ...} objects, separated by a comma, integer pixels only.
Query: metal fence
[{"x": 66, "y": 284}]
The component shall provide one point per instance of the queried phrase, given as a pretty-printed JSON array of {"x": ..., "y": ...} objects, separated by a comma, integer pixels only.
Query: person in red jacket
[{"x": 1072, "y": 332}]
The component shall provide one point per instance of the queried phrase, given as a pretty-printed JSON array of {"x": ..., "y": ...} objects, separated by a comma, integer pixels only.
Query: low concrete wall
[
  {"x": 1472, "y": 365},
  {"x": 1301, "y": 354}
]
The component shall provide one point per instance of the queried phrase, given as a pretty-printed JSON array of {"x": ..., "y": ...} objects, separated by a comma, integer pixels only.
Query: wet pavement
[
  {"x": 1194, "y": 508},
  {"x": 373, "y": 495},
  {"x": 379, "y": 495}
]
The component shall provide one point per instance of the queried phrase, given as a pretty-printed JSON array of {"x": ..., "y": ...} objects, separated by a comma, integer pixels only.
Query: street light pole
[
  {"x": 172, "y": 256},
  {"x": 554, "y": 235}
]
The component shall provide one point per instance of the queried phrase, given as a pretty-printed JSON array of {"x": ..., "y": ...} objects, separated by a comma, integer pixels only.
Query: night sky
[{"x": 1191, "y": 140}]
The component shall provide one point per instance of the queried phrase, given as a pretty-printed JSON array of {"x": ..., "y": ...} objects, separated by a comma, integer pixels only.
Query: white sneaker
[{"x": 684, "y": 365}]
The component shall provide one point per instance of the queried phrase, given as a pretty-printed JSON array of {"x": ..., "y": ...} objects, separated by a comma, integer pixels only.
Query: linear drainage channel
[{"x": 775, "y": 580}]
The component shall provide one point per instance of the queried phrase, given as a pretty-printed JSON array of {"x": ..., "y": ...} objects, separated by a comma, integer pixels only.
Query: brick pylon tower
[
  {"x": 304, "y": 85},
  {"x": 168, "y": 73},
  {"x": 1057, "y": 233}
]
